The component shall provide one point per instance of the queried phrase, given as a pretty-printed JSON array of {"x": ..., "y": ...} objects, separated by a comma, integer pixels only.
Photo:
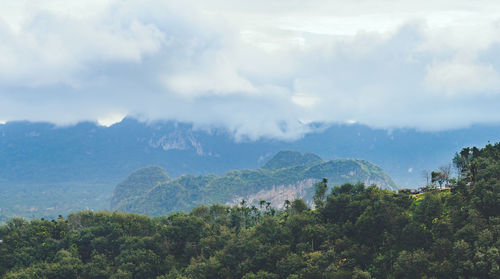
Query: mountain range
[
  {"x": 46, "y": 168},
  {"x": 286, "y": 176},
  {"x": 45, "y": 153}
]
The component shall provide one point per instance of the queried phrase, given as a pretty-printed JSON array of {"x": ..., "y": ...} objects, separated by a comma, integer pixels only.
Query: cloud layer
[{"x": 258, "y": 68}]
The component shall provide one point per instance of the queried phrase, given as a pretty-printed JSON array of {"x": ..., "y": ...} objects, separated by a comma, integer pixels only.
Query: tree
[
  {"x": 437, "y": 176},
  {"x": 445, "y": 171},
  {"x": 298, "y": 206},
  {"x": 287, "y": 204},
  {"x": 411, "y": 264},
  {"x": 262, "y": 203},
  {"x": 320, "y": 193},
  {"x": 464, "y": 163}
]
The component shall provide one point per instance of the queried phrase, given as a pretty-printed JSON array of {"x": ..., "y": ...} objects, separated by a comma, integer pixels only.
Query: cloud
[
  {"x": 216, "y": 77},
  {"x": 257, "y": 68},
  {"x": 110, "y": 119},
  {"x": 454, "y": 77}
]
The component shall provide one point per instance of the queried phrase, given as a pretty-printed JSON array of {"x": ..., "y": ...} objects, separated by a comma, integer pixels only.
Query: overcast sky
[{"x": 258, "y": 68}]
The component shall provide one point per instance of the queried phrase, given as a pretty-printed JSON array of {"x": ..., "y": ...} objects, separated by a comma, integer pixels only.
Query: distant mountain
[
  {"x": 277, "y": 181},
  {"x": 46, "y": 170},
  {"x": 137, "y": 183},
  {"x": 86, "y": 152},
  {"x": 284, "y": 159}
]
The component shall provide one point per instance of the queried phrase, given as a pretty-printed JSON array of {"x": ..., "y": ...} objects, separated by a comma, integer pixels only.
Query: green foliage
[
  {"x": 137, "y": 183},
  {"x": 320, "y": 193},
  {"x": 286, "y": 159},
  {"x": 156, "y": 195},
  {"x": 48, "y": 200},
  {"x": 359, "y": 232}
]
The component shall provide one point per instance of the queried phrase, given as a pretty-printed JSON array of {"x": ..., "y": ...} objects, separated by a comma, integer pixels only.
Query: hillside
[
  {"x": 140, "y": 181},
  {"x": 286, "y": 176},
  {"x": 284, "y": 159}
]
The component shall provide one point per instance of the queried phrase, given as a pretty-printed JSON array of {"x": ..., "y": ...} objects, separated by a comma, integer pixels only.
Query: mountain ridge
[
  {"x": 288, "y": 158},
  {"x": 46, "y": 170},
  {"x": 295, "y": 177},
  {"x": 45, "y": 153},
  {"x": 152, "y": 176}
]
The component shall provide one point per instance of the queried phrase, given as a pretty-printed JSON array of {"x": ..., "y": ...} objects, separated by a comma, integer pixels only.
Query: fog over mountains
[
  {"x": 86, "y": 152},
  {"x": 46, "y": 170}
]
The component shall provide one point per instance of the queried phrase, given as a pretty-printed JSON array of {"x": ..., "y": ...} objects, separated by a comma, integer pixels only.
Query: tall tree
[
  {"x": 445, "y": 171},
  {"x": 320, "y": 193}
]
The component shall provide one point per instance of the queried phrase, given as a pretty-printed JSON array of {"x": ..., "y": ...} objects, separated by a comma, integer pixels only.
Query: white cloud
[
  {"x": 258, "y": 68},
  {"x": 55, "y": 45},
  {"x": 455, "y": 77},
  {"x": 304, "y": 100},
  {"x": 219, "y": 78},
  {"x": 110, "y": 119}
]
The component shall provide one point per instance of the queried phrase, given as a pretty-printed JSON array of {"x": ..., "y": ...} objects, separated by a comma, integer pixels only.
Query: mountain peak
[
  {"x": 138, "y": 183},
  {"x": 287, "y": 158}
]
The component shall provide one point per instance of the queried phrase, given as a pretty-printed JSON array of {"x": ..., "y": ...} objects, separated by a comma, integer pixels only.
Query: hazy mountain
[
  {"x": 284, "y": 181},
  {"x": 137, "y": 183},
  {"x": 46, "y": 169},
  {"x": 284, "y": 159},
  {"x": 41, "y": 152}
]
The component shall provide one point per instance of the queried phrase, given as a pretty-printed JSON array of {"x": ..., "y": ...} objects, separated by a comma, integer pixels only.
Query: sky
[{"x": 257, "y": 68}]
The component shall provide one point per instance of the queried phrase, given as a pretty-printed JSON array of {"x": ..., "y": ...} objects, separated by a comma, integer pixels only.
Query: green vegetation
[
  {"x": 285, "y": 159},
  {"x": 48, "y": 200},
  {"x": 354, "y": 232},
  {"x": 149, "y": 190},
  {"x": 137, "y": 183}
]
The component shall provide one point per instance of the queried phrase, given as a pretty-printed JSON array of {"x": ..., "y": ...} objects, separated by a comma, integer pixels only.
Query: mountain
[
  {"x": 286, "y": 176},
  {"x": 137, "y": 183},
  {"x": 46, "y": 170},
  {"x": 284, "y": 159},
  {"x": 45, "y": 153}
]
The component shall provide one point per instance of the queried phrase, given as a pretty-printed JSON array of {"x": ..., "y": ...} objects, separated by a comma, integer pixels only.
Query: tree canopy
[{"x": 356, "y": 232}]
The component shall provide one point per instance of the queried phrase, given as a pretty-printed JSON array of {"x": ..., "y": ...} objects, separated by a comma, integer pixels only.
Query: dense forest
[{"x": 353, "y": 232}]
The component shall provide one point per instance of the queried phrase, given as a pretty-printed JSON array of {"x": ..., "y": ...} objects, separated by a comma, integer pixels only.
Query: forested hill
[
  {"x": 354, "y": 232},
  {"x": 288, "y": 175}
]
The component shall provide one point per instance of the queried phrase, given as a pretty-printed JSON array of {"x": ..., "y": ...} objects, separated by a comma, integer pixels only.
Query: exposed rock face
[
  {"x": 176, "y": 140},
  {"x": 278, "y": 194}
]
